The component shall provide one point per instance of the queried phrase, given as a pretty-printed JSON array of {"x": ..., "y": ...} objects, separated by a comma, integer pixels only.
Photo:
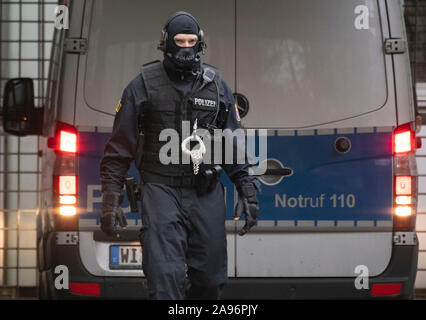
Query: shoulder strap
[
  {"x": 222, "y": 110},
  {"x": 153, "y": 76}
]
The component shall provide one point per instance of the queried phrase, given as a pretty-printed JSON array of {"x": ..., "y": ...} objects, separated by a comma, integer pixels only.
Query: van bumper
[{"x": 401, "y": 269}]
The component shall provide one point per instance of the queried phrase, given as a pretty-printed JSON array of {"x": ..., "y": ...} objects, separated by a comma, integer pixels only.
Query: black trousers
[{"x": 183, "y": 234}]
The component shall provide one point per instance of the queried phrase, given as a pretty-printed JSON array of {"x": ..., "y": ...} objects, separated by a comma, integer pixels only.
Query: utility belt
[
  {"x": 172, "y": 181},
  {"x": 204, "y": 182}
]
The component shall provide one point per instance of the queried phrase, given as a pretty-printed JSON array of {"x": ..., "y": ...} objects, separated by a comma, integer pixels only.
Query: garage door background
[{"x": 26, "y": 41}]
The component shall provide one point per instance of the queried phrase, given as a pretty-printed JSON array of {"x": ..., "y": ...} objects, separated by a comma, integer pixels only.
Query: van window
[
  {"x": 299, "y": 63},
  {"x": 116, "y": 51},
  {"x": 305, "y": 63}
]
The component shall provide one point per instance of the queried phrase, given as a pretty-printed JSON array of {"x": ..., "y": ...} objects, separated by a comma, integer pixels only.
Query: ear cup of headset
[
  {"x": 201, "y": 35},
  {"x": 203, "y": 45},
  {"x": 162, "y": 45}
]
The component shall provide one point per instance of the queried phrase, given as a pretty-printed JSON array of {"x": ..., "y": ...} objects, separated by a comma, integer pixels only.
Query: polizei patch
[{"x": 204, "y": 102}]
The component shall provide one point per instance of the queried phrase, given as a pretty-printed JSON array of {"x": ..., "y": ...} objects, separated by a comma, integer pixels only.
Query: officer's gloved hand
[
  {"x": 112, "y": 218},
  {"x": 247, "y": 204}
]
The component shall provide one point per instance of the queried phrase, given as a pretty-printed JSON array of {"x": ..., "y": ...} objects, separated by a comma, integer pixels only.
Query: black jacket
[{"x": 120, "y": 149}]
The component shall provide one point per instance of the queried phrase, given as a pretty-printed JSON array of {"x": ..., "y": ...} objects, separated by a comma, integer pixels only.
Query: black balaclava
[{"x": 184, "y": 61}]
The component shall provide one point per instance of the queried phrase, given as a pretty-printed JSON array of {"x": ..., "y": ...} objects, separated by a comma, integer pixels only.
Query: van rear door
[
  {"x": 309, "y": 81},
  {"x": 316, "y": 77},
  {"x": 116, "y": 52}
]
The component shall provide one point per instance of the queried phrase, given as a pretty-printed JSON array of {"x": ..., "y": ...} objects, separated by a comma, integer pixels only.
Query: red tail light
[
  {"x": 67, "y": 141},
  {"x": 385, "y": 289},
  {"x": 90, "y": 289},
  {"x": 67, "y": 185},
  {"x": 403, "y": 139},
  {"x": 405, "y": 180},
  {"x": 65, "y": 182},
  {"x": 403, "y": 185}
]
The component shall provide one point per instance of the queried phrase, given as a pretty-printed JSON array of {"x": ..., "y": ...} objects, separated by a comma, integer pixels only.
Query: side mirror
[{"x": 20, "y": 117}]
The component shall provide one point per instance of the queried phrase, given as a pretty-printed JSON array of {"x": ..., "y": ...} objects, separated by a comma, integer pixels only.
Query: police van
[{"x": 326, "y": 83}]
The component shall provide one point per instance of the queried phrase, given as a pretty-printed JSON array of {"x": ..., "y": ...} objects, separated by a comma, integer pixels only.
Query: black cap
[{"x": 182, "y": 23}]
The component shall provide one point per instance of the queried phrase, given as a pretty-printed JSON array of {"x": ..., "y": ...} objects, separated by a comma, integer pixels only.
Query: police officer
[{"x": 183, "y": 213}]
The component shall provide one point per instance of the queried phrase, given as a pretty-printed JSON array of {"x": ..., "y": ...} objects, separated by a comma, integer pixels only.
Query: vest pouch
[{"x": 208, "y": 179}]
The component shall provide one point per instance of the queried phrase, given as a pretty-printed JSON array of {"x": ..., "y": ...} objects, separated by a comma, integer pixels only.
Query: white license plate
[{"x": 125, "y": 257}]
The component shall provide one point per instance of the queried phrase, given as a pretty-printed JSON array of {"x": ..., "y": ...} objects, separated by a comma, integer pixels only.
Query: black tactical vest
[{"x": 167, "y": 108}]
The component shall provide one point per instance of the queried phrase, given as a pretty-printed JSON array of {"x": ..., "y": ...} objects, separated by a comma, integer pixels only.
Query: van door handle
[{"x": 278, "y": 172}]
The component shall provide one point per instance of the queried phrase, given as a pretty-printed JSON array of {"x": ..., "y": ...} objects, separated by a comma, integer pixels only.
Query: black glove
[
  {"x": 247, "y": 204},
  {"x": 112, "y": 216}
]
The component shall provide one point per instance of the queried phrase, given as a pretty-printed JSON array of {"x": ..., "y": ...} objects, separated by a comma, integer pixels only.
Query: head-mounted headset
[{"x": 164, "y": 35}]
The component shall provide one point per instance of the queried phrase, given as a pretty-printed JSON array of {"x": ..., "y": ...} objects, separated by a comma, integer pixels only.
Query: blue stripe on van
[
  {"x": 327, "y": 185},
  {"x": 323, "y": 180}
]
